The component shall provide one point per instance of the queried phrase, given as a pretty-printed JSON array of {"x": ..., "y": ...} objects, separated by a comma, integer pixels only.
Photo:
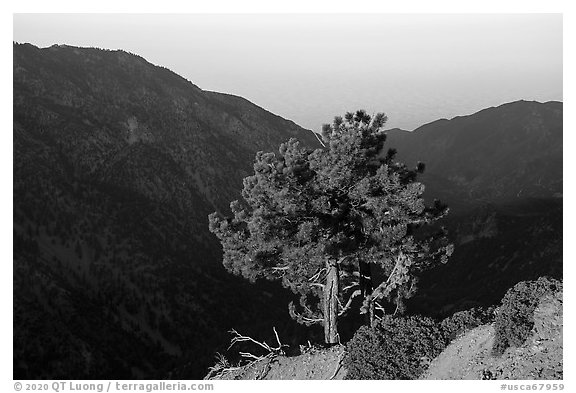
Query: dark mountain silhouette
[
  {"x": 500, "y": 171},
  {"x": 507, "y": 152},
  {"x": 118, "y": 162}
]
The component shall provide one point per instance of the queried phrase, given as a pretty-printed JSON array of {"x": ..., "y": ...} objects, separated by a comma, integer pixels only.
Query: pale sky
[{"x": 308, "y": 68}]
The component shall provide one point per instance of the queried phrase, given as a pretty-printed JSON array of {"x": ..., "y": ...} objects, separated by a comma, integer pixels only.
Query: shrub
[
  {"x": 462, "y": 321},
  {"x": 397, "y": 348},
  {"x": 515, "y": 316}
]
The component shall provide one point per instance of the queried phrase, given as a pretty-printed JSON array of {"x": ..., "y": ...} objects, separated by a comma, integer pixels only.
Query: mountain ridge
[
  {"x": 443, "y": 119},
  {"x": 499, "y": 152},
  {"x": 117, "y": 164}
]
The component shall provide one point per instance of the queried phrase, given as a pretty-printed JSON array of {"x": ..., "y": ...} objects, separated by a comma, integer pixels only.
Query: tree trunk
[
  {"x": 366, "y": 289},
  {"x": 331, "y": 303}
]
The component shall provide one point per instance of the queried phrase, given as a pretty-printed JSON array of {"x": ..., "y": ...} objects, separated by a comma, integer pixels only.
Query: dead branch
[
  {"x": 221, "y": 367},
  {"x": 278, "y": 268},
  {"x": 354, "y": 284},
  {"x": 309, "y": 320},
  {"x": 384, "y": 288},
  {"x": 240, "y": 338},
  {"x": 339, "y": 365},
  {"x": 248, "y": 355},
  {"x": 272, "y": 351},
  {"x": 342, "y": 259},
  {"x": 317, "y": 275},
  {"x": 277, "y": 338},
  {"x": 348, "y": 303},
  {"x": 319, "y": 139}
]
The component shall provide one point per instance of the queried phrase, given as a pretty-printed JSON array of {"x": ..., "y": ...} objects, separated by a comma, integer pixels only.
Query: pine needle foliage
[{"x": 309, "y": 217}]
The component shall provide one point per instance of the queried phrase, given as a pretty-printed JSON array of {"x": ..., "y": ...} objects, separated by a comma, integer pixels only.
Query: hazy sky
[{"x": 415, "y": 67}]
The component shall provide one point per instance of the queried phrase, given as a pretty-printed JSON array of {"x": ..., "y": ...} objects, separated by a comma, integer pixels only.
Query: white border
[{"x": 296, "y": 6}]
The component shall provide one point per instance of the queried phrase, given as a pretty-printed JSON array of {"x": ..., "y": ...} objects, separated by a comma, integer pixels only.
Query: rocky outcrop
[{"x": 540, "y": 357}]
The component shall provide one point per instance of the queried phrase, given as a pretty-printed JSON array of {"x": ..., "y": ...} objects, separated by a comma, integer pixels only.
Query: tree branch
[
  {"x": 339, "y": 366},
  {"x": 240, "y": 338},
  {"x": 349, "y": 302},
  {"x": 319, "y": 139},
  {"x": 309, "y": 320},
  {"x": 317, "y": 275},
  {"x": 283, "y": 268},
  {"x": 354, "y": 284},
  {"x": 387, "y": 286},
  {"x": 272, "y": 351}
]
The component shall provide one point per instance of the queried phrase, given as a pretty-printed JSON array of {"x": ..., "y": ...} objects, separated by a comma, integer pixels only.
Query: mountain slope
[
  {"x": 97, "y": 103},
  {"x": 500, "y": 172},
  {"x": 540, "y": 357},
  {"x": 510, "y": 151},
  {"x": 117, "y": 164},
  {"x": 496, "y": 246}
]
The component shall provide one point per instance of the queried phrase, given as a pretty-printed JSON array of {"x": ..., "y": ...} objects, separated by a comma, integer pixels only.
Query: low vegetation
[
  {"x": 396, "y": 348},
  {"x": 463, "y": 321},
  {"x": 515, "y": 317},
  {"x": 401, "y": 347}
]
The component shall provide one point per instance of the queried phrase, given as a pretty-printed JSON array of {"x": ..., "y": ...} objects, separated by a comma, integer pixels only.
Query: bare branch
[
  {"x": 310, "y": 321},
  {"x": 307, "y": 320},
  {"x": 349, "y": 303},
  {"x": 386, "y": 287},
  {"x": 319, "y": 139},
  {"x": 342, "y": 259},
  {"x": 276, "y": 268},
  {"x": 396, "y": 309},
  {"x": 317, "y": 275},
  {"x": 378, "y": 307},
  {"x": 339, "y": 366},
  {"x": 277, "y": 338},
  {"x": 248, "y": 355},
  {"x": 354, "y": 284},
  {"x": 240, "y": 338}
]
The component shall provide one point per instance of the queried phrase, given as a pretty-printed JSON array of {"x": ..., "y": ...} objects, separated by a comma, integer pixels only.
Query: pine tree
[{"x": 318, "y": 220}]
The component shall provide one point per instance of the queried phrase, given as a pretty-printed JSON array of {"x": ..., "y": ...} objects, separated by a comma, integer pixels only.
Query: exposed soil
[
  {"x": 313, "y": 364},
  {"x": 540, "y": 357},
  {"x": 467, "y": 357}
]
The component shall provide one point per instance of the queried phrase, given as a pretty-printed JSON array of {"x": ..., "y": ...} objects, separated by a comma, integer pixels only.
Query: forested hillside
[{"x": 118, "y": 162}]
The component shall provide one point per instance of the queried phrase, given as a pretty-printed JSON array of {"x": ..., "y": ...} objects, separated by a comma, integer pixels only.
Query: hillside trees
[{"x": 319, "y": 220}]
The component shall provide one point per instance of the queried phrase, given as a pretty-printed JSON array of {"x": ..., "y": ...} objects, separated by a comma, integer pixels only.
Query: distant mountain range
[
  {"x": 500, "y": 171},
  {"x": 118, "y": 162},
  {"x": 511, "y": 151}
]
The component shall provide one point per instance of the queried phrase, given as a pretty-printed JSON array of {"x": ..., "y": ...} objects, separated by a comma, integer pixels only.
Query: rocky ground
[
  {"x": 312, "y": 364},
  {"x": 467, "y": 357}
]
